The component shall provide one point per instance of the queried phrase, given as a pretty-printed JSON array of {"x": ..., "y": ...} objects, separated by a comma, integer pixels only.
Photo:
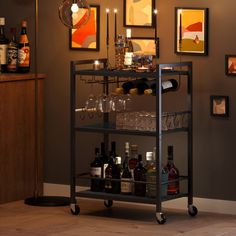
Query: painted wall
[{"x": 214, "y": 163}]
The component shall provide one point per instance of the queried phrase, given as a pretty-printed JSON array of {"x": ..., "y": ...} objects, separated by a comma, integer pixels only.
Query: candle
[
  {"x": 115, "y": 36},
  {"x": 107, "y": 11},
  {"x": 96, "y": 65},
  {"x": 128, "y": 33},
  {"x": 180, "y": 28}
]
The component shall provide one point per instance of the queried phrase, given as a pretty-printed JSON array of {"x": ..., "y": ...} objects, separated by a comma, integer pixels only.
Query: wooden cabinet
[{"x": 18, "y": 135}]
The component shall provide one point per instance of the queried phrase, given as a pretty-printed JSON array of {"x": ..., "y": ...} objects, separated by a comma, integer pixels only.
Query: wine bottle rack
[{"x": 106, "y": 76}]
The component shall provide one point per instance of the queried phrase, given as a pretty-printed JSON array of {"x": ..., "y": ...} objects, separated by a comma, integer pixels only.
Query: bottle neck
[
  {"x": 2, "y": 32},
  {"x": 23, "y": 30}
]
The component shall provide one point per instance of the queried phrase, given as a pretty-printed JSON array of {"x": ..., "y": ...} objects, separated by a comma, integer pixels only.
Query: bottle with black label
[
  {"x": 3, "y": 46},
  {"x": 96, "y": 172},
  {"x": 24, "y": 50},
  {"x": 12, "y": 53}
]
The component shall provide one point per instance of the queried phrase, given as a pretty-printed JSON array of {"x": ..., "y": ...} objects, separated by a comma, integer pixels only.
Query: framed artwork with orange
[
  {"x": 87, "y": 37},
  {"x": 230, "y": 65},
  {"x": 191, "y": 31}
]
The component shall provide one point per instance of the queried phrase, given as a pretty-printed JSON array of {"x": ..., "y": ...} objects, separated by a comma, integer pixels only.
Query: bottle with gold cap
[{"x": 24, "y": 50}]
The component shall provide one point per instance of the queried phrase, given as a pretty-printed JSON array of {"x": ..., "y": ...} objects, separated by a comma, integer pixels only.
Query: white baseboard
[{"x": 203, "y": 204}]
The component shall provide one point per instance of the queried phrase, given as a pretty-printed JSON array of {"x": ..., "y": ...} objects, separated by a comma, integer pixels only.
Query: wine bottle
[
  {"x": 132, "y": 85},
  {"x": 173, "y": 173},
  {"x": 12, "y": 53},
  {"x": 3, "y": 46},
  {"x": 108, "y": 175},
  {"x": 140, "y": 175},
  {"x": 24, "y": 50},
  {"x": 96, "y": 171},
  {"x": 166, "y": 86},
  {"x": 116, "y": 169},
  {"x": 126, "y": 178},
  {"x": 104, "y": 159}
]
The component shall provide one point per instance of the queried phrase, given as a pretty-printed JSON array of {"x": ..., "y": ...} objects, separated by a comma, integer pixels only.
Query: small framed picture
[
  {"x": 191, "y": 31},
  {"x": 230, "y": 65},
  {"x": 145, "y": 46},
  {"x": 219, "y": 106},
  {"x": 139, "y": 13},
  {"x": 87, "y": 37}
]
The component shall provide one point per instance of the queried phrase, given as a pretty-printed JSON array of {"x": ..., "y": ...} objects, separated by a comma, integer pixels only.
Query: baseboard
[{"x": 203, "y": 204}]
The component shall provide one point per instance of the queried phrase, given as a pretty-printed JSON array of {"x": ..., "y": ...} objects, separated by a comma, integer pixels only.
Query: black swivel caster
[
  {"x": 108, "y": 203},
  {"x": 192, "y": 210},
  {"x": 75, "y": 209},
  {"x": 160, "y": 217}
]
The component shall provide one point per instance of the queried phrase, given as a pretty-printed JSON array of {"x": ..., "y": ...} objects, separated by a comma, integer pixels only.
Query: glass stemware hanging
[{"x": 74, "y": 13}]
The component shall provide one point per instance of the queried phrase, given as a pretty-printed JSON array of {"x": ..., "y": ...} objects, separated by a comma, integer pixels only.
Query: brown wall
[{"x": 214, "y": 161}]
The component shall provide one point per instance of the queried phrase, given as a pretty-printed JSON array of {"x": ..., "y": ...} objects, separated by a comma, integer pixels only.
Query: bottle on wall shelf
[
  {"x": 97, "y": 185},
  {"x": 116, "y": 170},
  {"x": 24, "y": 50},
  {"x": 12, "y": 52},
  {"x": 140, "y": 175},
  {"x": 173, "y": 173},
  {"x": 104, "y": 159},
  {"x": 3, "y": 46}
]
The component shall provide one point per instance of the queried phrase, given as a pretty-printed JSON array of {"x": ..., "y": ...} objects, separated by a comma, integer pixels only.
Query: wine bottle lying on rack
[{"x": 144, "y": 86}]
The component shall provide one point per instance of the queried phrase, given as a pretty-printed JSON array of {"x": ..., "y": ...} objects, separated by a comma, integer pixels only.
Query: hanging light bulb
[{"x": 74, "y": 13}]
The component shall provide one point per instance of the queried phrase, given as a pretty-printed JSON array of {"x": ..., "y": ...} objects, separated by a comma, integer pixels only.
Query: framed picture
[
  {"x": 145, "y": 46},
  {"x": 230, "y": 65},
  {"x": 219, "y": 106},
  {"x": 139, "y": 13},
  {"x": 191, "y": 31},
  {"x": 87, "y": 37}
]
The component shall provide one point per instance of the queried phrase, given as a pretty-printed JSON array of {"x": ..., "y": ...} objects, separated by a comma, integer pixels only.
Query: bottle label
[
  {"x": 166, "y": 85},
  {"x": 104, "y": 169},
  {"x": 126, "y": 187},
  {"x": 24, "y": 56},
  {"x": 3, "y": 54},
  {"x": 96, "y": 172},
  {"x": 151, "y": 188},
  {"x": 12, "y": 56}
]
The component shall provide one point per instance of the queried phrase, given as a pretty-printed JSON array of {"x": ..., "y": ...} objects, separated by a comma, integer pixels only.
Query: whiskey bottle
[
  {"x": 3, "y": 46},
  {"x": 126, "y": 178},
  {"x": 24, "y": 50},
  {"x": 140, "y": 175},
  {"x": 173, "y": 174},
  {"x": 96, "y": 172},
  {"x": 12, "y": 53}
]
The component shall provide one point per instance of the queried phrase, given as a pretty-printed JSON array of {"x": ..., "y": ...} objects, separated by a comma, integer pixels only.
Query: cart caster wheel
[
  {"x": 75, "y": 209},
  {"x": 192, "y": 210},
  {"x": 108, "y": 203},
  {"x": 160, "y": 217}
]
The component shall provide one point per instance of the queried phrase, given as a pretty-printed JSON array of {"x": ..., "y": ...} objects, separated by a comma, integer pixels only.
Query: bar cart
[{"x": 180, "y": 69}]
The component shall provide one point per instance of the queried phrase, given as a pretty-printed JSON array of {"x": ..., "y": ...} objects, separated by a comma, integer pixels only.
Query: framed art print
[
  {"x": 87, "y": 37},
  {"x": 219, "y": 106},
  {"x": 230, "y": 65},
  {"x": 191, "y": 31},
  {"x": 138, "y": 13},
  {"x": 145, "y": 46}
]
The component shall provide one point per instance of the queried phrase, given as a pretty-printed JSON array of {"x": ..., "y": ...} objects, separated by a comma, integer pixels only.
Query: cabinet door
[{"x": 17, "y": 139}]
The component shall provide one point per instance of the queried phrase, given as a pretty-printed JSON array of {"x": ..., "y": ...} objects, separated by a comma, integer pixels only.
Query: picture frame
[
  {"x": 230, "y": 65},
  {"x": 139, "y": 13},
  {"x": 145, "y": 46},
  {"x": 87, "y": 38},
  {"x": 191, "y": 31},
  {"x": 219, "y": 105}
]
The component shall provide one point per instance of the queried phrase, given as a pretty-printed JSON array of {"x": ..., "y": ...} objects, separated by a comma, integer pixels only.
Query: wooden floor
[{"x": 122, "y": 219}]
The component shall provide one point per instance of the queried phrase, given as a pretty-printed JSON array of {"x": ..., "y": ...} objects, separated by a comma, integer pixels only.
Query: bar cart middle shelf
[{"x": 181, "y": 69}]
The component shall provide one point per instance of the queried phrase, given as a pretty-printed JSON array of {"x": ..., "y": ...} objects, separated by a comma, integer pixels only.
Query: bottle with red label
[{"x": 24, "y": 50}]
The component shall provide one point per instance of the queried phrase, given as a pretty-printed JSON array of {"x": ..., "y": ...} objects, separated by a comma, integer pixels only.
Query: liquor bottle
[
  {"x": 23, "y": 50},
  {"x": 140, "y": 175},
  {"x": 96, "y": 171},
  {"x": 108, "y": 175},
  {"x": 151, "y": 174},
  {"x": 166, "y": 86},
  {"x": 3, "y": 46},
  {"x": 12, "y": 53},
  {"x": 126, "y": 178},
  {"x": 116, "y": 169},
  {"x": 133, "y": 161},
  {"x": 173, "y": 173},
  {"x": 119, "y": 52}
]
